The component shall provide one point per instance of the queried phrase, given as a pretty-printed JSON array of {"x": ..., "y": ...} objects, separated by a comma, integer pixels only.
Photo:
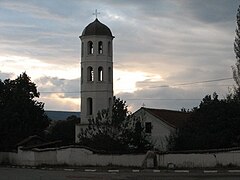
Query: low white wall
[
  {"x": 232, "y": 157},
  {"x": 13, "y": 157},
  {"x": 70, "y": 156},
  {"x": 77, "y": 156},
  {"x": 4, "y": 157},
  {"x": 186, "y": 160},
  {"x": 45, "y": 157},
  {"x": 83, "y": 157},
  {"x": 199, "y": 159},
  {"x": 25, "y": 158}
]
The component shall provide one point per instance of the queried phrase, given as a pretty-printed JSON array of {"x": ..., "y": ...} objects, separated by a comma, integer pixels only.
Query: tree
[
  {"x": 236, "y": 68},
  {"x": 20, "y": 114},
  {"x": 214, "y": 124},
  {"x": 63, "y": 130},
  {"x": 119, "y": 133}
]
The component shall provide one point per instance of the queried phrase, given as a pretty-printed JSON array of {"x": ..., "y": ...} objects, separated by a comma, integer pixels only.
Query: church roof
[
  {"x": 96, "y": 28},
  {"x": 173, "y": 118}
]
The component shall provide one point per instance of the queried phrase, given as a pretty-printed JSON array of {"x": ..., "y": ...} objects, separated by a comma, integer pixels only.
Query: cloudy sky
[{"x": 168, "y": 54}]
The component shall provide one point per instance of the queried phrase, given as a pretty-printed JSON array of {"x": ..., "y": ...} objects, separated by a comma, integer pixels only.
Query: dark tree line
[
  {"x": 214, "y": 124},
  {"x": 63, "y": 130},
  {"x": 21, "y": 115}
]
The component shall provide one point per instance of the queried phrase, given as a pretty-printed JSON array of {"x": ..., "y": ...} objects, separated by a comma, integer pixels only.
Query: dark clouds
[{"x": 211, "y": 11}]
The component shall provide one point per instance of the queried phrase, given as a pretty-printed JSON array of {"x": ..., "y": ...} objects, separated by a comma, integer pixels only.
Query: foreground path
[{"x": 113, "y": 174}]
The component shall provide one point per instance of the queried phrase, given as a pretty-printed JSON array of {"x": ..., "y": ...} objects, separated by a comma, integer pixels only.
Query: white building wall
[{"x": 160, "y": 130}]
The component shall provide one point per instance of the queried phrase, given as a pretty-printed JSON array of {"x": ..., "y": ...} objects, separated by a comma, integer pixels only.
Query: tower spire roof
[{"x": 96, "y": 28}]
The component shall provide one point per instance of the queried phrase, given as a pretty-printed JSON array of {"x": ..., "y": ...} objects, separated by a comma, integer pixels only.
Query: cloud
[
  {"x": 179, "y": 41},
  {"x": 54, "y": 102},
  {"x": 36, "y": 68},
  {"x": 63, "y": 88},
  {"x": 168, "y": 96},
  {"x": 38, "y": 31},
  {"x": 4, "y": 76},
  {"x": 31, "y": 9},
  {"x": 59, "y": 94},
  {"x": 213, "y": 11}
]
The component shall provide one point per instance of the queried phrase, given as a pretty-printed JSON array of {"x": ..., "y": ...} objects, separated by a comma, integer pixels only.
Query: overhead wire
[{"x": 161, "y": 86}]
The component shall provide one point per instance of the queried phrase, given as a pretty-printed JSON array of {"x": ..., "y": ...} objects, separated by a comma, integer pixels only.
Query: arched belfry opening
[
  {"x": 96, "y": 71},
  {"x": 90, "y": 74},
  {"x": 100, "y": 47},
  {"x": 100, "y": 73},
  {"x": 90, "y": 47}
]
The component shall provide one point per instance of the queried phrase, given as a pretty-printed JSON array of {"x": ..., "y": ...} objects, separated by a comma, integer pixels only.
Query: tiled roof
[{"x": 173, "y": 118}]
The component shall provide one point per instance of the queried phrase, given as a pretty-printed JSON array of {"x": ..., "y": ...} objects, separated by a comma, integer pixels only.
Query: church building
[
  {"x": 96, "y": 72},
  {"x": 97, "y": 87}
]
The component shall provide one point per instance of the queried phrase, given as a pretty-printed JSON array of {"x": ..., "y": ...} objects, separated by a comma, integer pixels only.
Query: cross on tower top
[{"x": 96, "y": 13}]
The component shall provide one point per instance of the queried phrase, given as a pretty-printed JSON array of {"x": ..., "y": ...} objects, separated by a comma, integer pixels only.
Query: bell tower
[{"x": 96, "y": 70}]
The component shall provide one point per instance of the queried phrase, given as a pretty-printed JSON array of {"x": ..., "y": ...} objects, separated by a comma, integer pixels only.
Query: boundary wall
[
  {"x": 72, "y": 156},
  {"x": 81, "y": 156}
]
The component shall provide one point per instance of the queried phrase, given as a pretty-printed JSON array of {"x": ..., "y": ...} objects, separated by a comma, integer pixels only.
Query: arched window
[
  {"x": 90, "y": 74},
  {"x": 82, "y": 49},
  {"x": 109, "y": 74},
  {"x": 90, "y": 47},
  {"x": 100, "y": 73},
  {"x": 100, "y": 47},
  {"x": 89, "y": 106},
  {"x": 109, "y": 49}
]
